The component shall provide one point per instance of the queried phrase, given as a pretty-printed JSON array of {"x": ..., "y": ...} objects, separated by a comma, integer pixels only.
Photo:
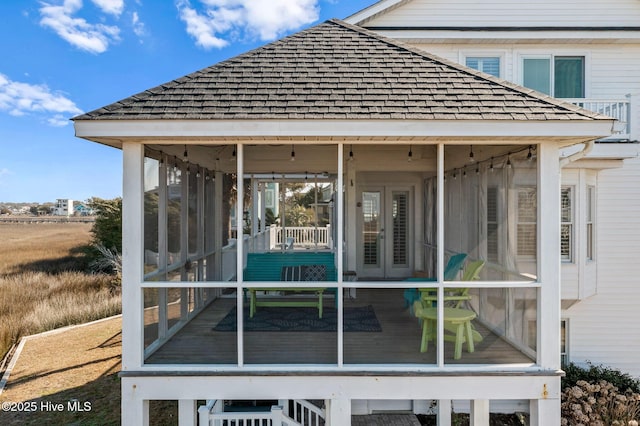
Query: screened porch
[{"x": 333, "y": 235}]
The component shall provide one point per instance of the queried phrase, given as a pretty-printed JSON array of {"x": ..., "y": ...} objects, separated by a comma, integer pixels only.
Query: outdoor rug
[{"x": 356, "y": 319}]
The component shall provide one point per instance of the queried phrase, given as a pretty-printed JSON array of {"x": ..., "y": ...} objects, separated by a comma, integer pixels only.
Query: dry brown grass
[{"x": 42, "y": 280}]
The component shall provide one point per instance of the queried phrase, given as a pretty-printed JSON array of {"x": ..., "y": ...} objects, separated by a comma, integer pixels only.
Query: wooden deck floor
[{"x": 397, "y": 343}]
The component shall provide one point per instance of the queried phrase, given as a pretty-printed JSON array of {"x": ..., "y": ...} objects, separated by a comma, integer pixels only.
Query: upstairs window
[
  {"x": 591, "y": 208},
  {"x": 527, "y": 222},
  {"x": 558, "y": 76},
  {"x": 564, "y": 342},
  {"x": 488, "y": 65},
  {"x": 566, "y": 227}
]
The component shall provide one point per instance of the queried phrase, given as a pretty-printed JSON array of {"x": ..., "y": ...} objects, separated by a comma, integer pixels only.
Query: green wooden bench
[{"x": 270, "y": 266}]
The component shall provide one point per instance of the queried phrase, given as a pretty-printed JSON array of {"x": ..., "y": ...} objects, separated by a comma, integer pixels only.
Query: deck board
[{"x": 397, "y": 343}]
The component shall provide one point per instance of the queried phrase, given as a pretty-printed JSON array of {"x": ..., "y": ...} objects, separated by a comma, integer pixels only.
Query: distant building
[
  {"x": 63, "y": 207},
  {"x": 81, "y": 209}
]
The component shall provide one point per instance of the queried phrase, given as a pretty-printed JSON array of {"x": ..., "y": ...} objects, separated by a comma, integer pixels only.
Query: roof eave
[{"x": 115, "y": 132}]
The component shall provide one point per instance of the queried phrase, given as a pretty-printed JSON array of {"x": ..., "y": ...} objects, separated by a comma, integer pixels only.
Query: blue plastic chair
[{"x": 450, "y": 273}]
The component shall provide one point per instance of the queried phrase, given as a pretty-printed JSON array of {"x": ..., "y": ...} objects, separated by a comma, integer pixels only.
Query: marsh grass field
[{"x": 44, "y": 283}]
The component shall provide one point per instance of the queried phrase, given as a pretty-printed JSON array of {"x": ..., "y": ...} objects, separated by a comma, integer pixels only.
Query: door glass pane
[
  {"x": 371, "y": 228},
  {"x": 569, "y": 77},
  {"x": 400, "y": 212},
  {"x": 537, "y": 74}
]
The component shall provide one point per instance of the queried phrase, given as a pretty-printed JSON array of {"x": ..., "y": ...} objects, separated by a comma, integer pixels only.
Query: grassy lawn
[{"x": 44, "y": 283}]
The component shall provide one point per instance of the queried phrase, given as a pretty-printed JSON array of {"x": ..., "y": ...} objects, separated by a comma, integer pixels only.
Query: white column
[
  {"x": 338, "y": 412},
  {"x": 549, "y": 256},
  {"x": 132, "y": 256},
  {"x": 479, "y": 415},
  {"x": 544, "y": 412},
  {"x": 440, "y": 263},
  {"x": 340, "y": 250},
  {"x": 187, "y": 410},
  {"x": 351, "y": 229},
  {"x": 548, "y": 410},
  {"x": 444, "y": 412},
  {"x": 217, "y": 215},
  {"x": 240, "y": 250},
  {"x": 135, "y": 410}
]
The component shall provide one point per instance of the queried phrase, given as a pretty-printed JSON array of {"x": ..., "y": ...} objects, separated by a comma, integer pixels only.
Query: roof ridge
[{"x": 505, "y": 83}]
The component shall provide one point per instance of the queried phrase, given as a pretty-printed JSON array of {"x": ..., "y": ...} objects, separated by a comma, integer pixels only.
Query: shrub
[
  {"x": 594, "y": 373},
  {"x": 599, "y": 404},
  {"x": 107, "y": 229}
]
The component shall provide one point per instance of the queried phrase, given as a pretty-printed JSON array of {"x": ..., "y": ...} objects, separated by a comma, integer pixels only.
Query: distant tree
[
  {"x": 33, "y": 210},
  {"x": 107, "y": 229},
  {"x": 269, "y": 217},
  {"x": 4, "y": 210}
]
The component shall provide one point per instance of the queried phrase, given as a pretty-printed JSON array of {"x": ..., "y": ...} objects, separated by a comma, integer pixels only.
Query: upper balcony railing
[
  {"x": 615, "y": 108},
  {"x": 292, "y": 237}
]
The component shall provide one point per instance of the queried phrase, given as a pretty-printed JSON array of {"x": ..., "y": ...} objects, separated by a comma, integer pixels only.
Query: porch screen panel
[
  {"x": 400, "y": 207},
  {"x": 174, "y": 208},
  {"x": 151, "y": 211},
  {"x": 371, "y": 205}
]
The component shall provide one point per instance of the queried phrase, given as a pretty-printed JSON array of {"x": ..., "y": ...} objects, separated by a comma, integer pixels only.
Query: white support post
[
  {"x": 217, "y": 213},
  {"x": 132, "y": 256},
  {"x": 184, "y": 237},
  {"x": 351, "y": 229},
  {"x": 255, "y": 203},
  {"x": 549, "y": 296},
  {"x": 338, "y": 412},
  {"x": 440, "y": 254},
  {"x": 200, "y": 202},
  {"x": 544, "y": 412},
  {"x": 479, "y": 415},
  {"x": 444, "y": 412},
  {"x": 135, "y": 410},
  {"x": 240, "y": 251},
  {"x": 548, "y": 338},
  {"x": 187, "y": 412},
  {"x": 340, "y": 251}
]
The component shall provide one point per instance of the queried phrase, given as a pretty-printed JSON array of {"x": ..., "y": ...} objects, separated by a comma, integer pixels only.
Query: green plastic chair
[
  {"x": 455, "y": 297},
  {"x": 450, "y": 272}
]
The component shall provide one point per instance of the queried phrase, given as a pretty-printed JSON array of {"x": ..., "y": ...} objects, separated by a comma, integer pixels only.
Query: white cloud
[
  {"x": 224, "y": 20},
  {"x": 23, "y": 98},
  {"x": 138, "y": 26},
  {"x": 113, "y": 7},
  {"x": 94, "y": 38}
]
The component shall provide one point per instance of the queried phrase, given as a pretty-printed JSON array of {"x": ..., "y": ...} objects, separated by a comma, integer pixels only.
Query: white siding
[
  {"x": 604, "y": 328},
  {"x": 610, "y": 69},
  {"x": 513, "y": 13}
]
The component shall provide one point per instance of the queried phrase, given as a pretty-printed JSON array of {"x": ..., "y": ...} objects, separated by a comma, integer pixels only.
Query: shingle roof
[{"x": 338, "y": 71}]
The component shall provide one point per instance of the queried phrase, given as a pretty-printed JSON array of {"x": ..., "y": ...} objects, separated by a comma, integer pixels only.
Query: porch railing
[
  {"x": 304, "y": 236},
  {"x": 304, "y": 414},
  {"x": 275, "y": 237},
  {"x": 615, "y": 108}
]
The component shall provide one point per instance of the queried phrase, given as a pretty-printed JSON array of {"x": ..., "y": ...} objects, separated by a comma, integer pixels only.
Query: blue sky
[{"x": 64, "y": 57}]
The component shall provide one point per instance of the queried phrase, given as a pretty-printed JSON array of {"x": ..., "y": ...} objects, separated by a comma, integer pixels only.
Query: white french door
[{"x": 385, "y": 232}]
